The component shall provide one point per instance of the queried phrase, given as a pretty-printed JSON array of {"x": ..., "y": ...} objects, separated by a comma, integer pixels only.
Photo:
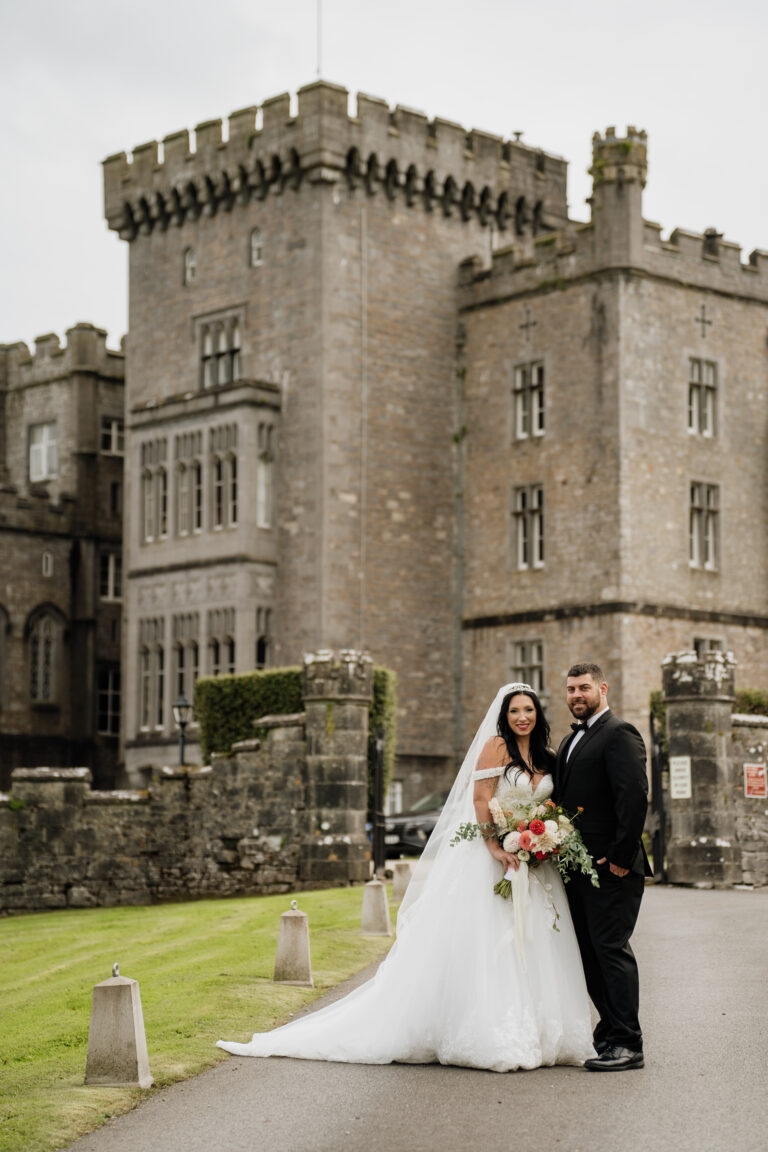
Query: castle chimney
[{"x": 619, "y": 170}]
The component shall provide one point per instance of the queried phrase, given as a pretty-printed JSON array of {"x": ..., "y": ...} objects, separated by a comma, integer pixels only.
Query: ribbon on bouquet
[{"x": 521, "y": 898}]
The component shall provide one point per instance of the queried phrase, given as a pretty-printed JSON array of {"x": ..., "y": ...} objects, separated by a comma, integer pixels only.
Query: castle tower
[
  {"x": 619, "y": 170},
  {"x": 292, "y": 350},
  {"x": 616, "y": 414}
]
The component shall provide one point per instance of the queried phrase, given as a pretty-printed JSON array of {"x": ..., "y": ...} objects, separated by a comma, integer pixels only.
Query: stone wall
[
  {"x": 750, "y": 746},
  {"x": 282, "y": 811},
  {"x": 718, "y": 835}
]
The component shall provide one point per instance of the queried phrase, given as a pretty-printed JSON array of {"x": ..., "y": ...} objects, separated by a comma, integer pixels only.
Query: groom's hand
[{"x": 614, "y": 867}]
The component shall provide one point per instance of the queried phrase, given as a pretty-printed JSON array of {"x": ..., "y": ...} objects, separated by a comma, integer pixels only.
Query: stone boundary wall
[
  {"x": 718, "y": 834},
  {"x": 284, "y": 812},
  {"x": 750, "y": 746}
]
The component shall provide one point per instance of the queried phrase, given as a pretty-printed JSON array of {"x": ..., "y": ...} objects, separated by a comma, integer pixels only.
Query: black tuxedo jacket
[{"x": 606, "y": 776}]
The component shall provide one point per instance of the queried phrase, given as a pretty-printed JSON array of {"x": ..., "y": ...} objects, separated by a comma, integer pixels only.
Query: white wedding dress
[{"x": 472, "y": 980}]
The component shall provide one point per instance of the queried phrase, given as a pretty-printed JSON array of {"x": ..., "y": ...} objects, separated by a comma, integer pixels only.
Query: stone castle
[
  {"x": 383, "y": 393},
  {"x": 61, "y": 500}
]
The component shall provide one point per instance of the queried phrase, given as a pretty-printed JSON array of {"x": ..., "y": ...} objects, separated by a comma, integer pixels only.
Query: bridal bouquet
[{"x": 534, "y": 833}]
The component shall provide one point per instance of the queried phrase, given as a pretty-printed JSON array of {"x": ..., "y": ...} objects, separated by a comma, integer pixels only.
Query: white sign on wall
[{"x": 680, "y": 777}]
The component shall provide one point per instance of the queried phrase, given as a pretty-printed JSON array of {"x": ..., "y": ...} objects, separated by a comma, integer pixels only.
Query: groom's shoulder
[{"x": 614, "y": 725}]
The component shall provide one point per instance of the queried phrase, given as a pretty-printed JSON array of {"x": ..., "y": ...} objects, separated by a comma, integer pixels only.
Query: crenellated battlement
[
  {"x": 396, "y": 152},
  {"x": 699, "y": 260},
  {"x": 617, "y": 159},
  {"x": 84, "y": 350},
  {"x": 52, "y": 517}
]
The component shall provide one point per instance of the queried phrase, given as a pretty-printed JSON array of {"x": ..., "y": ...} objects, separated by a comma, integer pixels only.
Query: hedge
[
  {"x": 227, "y": 707},
  {"x": 751, "y": 702}
]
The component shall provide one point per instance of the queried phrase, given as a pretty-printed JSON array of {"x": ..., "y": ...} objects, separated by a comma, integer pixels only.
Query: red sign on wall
[{"x": 755, "y": 781}]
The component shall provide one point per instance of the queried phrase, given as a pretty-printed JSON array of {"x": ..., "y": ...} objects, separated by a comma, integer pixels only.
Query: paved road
[{"x": 703, "y": 959}]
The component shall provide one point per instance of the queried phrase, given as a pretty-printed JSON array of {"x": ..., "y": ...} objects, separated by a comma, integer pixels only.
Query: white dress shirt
[{"x": 578, "y": 736}]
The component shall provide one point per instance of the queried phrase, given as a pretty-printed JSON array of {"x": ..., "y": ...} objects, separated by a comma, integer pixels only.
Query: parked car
[{"x": 407, "y": 832}]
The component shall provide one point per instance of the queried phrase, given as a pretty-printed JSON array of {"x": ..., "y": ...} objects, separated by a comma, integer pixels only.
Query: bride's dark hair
[{"x": 542, "y": 756}]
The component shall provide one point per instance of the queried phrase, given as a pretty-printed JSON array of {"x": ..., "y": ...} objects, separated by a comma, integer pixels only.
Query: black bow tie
[{"x": 579, "y": 727}]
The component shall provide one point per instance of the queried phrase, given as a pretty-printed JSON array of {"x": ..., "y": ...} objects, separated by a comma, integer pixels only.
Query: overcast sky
[{"x": 81, "y": 79}]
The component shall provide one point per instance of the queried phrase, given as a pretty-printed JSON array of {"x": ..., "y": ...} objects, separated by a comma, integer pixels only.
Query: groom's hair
[{"x": 593, "y": 670}]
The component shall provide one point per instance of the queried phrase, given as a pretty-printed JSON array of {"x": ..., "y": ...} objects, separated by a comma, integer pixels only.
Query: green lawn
[{"x": 205, "y": 973}]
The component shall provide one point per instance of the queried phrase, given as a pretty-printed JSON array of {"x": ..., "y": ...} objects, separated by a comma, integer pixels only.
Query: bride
[{"x": 472, "y": 979}]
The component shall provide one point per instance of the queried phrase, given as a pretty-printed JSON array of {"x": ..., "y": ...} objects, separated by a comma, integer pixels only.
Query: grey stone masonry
[
  {"x": 337, "y": 693},
  {"x": 699, "y": 695},
  {"x": 61, "y": 500},
  {"x": 282, "y": 811}
]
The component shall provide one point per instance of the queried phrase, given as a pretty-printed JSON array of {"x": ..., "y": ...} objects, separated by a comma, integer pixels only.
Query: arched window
[
  {"x": 145, "y": 687},
  {"x": 229, "y": 648},
  {"x": 159, "y": 655},
  {"x": 222, "y": 359},
  {"x": 256, "y": 248},
  {"x": 45, "y": 640},
  {"x": 189, "y": 266},
  {"x": 183, "y": 478},
  {"x": 215, "y": 654},
  {"x": 180, "y": 654},
  {"x": 232, "y": 490},
  {"x": 218, "y": 492},
  {"x": 234, "y": 351},
  {"x": 209, "y": 360},
  {"x": 151, "y": 673},
  {"x": 263, "y": 637},
  {"x": 162, "y": 501},
  {"x": 197, "y": 496},
  {"x": 148, "y": 503},
  {"x": 265, "y": 478}
]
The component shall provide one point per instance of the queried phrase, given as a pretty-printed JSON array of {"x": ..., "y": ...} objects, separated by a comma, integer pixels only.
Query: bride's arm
[{"x": 492, "y": 758}]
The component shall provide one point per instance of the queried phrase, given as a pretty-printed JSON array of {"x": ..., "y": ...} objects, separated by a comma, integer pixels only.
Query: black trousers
[{"x": 604, "y": 919}]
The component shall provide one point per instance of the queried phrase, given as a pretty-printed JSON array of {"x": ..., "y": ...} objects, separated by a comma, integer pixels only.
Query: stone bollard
[
  {"x": 401, "y": 879},
  {"x": 117, "y": 1044},
  {"x": 292, "y": 963},
  {"x": 375, "y": 910}
]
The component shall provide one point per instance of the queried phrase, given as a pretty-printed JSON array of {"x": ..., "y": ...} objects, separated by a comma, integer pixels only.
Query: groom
[{"x": 601, "y": 769}]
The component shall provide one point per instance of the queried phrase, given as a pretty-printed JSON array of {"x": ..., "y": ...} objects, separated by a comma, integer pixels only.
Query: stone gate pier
[{"x": 715, "y": 799}]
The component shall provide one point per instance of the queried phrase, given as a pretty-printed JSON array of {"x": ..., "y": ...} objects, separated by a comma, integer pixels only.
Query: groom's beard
[{"x": 589, "y": 710}]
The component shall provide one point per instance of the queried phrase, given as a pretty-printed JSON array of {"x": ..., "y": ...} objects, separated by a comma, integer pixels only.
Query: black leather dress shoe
[
  {"x": 615, "y": 1059},
  {"x": 601, "y": 1046}
]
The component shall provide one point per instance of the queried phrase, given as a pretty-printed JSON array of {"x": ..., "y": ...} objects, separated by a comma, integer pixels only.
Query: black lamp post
[{"x": 181, "y": 711}]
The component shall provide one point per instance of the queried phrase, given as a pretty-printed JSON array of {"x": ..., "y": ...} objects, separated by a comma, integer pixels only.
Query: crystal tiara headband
[{"x": 517, "y": 687}]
